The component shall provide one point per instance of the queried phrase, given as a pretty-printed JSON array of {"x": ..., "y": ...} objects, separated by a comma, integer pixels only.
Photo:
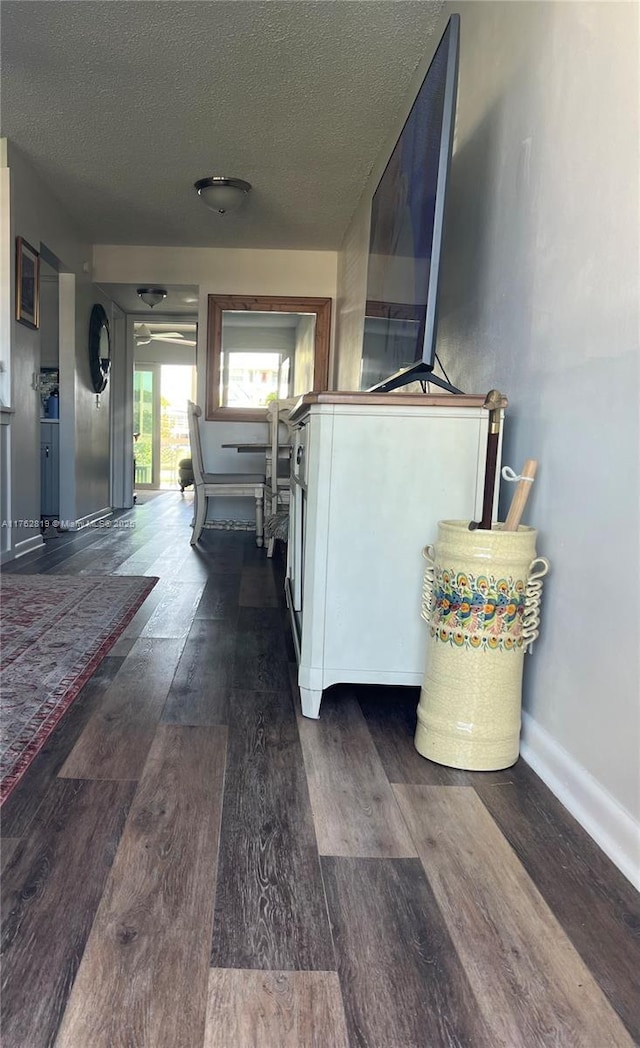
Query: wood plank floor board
[
  {"x": 188, "y": 564},
  {"x": 117, "y": 546},
  {"x": 223, "y": 550},
  {"x": 292, "y": 667},
  {"x": 270, "y": 906},
  {"x": 290, "y": 648},
  {"x": 255, "y": 556},
  {"x": 57, "y": 547},
  {"x": 175, "y": 609},
  {"x": 219, "y": 599},
  {"x": 354, "y": 810},
  {"x": 271, "y": 618},
  {"x": 109, "y": 548},
  {"x": 254, "y": 1009},
  {"x": 227, "y": 539},
  {"x": 402, "y": 983},
  {"x": 167, "y": 509},
  {"x": 260, "y": 661},
  {"x": 8, "y": 846},
  {"x": 268, "y": 618},
  {"x": 140, "y": 619},
  {"x": 257, "y": 586},
  {"x": 142, "y": 557},
  {"x": 22, "y": 804},
  {"x": 595, "y": 904},
  {"x": 199, "y": 693},
  {"x": 530, "y": 983},
  {"x": 52, "y": 550},
  {"x": 51, "y": 890},
  {"x": 115, "y": 742},
  {"x": 117, "y": 539},
  {"x": 123, "y": 646},
  {"x": 219, "y": 557},
  {"x": 390, "y": 714},
  {"x": 143, "y": 976},
  {"x": 280, "y": 569}
]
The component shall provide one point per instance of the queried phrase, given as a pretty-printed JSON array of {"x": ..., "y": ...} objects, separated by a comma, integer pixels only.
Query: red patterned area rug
[{"x": 54, "y": 632}]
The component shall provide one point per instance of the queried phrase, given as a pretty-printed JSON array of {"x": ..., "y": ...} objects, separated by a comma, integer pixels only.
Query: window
[{"x": 262, "y": 348}]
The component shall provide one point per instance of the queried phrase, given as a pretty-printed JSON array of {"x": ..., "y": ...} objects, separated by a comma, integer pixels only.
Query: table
[
  {"x": 266, "y": 449},
  {"x": 256, "y": 448}
]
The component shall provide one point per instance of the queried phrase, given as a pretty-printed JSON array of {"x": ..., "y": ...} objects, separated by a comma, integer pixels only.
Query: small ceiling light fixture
[
  {"x": 152, "y": 295},
  {"x": 222, "y": 194}
]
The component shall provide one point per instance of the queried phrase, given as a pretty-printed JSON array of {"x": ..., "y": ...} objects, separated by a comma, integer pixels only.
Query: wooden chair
[
  {"x": 278, "y": 483},
  {"x": 211, "y": 485}
]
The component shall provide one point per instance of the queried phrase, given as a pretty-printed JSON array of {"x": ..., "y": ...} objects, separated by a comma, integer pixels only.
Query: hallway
[{"x": 189, "y": 863}]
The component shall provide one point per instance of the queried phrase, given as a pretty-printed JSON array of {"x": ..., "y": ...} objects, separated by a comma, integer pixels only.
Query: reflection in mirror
[
  {"x": 265, "y": 356},
  {"x": 104, "y": 347},
  {"x": 263, "y": 349}
]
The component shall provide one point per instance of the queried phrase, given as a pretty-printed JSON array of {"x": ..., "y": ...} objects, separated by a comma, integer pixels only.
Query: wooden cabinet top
[{"x": 404, "y": 400}]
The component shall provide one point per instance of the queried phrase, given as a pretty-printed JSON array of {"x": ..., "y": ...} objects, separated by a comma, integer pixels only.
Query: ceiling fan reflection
[{"x": 144, "y": 336}]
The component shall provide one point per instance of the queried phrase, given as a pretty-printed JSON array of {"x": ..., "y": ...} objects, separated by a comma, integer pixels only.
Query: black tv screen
[{"x": 407, "y": 214}]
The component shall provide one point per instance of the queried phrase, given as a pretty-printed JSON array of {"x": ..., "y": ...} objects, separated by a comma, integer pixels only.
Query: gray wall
[
  {"x": 304, "y": 354},
  {"x": 84, "y": 429},
  {"x": 540, "y": 298}
]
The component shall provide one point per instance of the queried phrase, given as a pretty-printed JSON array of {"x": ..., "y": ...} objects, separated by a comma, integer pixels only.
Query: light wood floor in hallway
[{"x": 189, "y": 863}]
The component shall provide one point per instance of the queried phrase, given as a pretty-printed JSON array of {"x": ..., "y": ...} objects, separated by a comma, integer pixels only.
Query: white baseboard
[
  {"x": 26, "y": 546},
  {"x": 600, "y": 814},
  {"x": 86, "y": 521}
]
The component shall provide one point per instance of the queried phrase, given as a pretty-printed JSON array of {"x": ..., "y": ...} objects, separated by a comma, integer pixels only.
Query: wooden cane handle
[{"x": 521, "y": 494}]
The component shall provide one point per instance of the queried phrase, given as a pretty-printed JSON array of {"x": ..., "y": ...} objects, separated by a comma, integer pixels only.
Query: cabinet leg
[{"x": 310, "y": 702}]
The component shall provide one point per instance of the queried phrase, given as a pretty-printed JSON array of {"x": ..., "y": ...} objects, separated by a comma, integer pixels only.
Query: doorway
[
  {"x": 164, "y": 380},
  {"x": 161, "y": 431}
]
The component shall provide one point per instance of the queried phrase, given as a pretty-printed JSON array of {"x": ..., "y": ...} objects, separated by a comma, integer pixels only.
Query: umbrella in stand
[{"x": 493, "y": 402}]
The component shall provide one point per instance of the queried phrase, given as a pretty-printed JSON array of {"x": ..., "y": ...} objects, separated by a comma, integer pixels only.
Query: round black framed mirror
[{"x": 99, "y": 348}]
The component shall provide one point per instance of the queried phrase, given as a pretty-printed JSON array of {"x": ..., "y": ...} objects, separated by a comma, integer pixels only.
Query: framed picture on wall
[{"x": 27, "y": 284}]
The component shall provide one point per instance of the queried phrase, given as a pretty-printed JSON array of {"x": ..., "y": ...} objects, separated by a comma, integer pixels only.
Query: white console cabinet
[{"x": 371, "y": 476}]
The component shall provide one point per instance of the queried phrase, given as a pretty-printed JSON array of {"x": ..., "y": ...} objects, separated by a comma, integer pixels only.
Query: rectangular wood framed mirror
[{"x": 264, "y": 347}]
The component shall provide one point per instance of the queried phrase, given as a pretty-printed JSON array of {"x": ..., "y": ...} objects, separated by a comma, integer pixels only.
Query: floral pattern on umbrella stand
[{"x": 478, "y": 611}]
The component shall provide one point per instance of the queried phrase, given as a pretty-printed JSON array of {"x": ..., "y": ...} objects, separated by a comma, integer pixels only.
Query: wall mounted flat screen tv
[{"x": 407, "y": 214}]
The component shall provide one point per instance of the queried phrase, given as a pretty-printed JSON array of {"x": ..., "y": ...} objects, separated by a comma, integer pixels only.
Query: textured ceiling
[{"x": 123, "y": 105}]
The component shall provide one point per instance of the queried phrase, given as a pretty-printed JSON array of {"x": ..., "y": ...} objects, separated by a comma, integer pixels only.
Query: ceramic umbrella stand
[{"x": 481, "y": 599}]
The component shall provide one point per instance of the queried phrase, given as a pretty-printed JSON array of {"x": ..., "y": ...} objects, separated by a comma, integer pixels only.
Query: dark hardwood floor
[{"x": 189, "y": 863}]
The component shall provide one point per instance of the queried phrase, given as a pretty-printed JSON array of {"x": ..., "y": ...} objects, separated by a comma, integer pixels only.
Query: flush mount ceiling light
[
  {"x": 222, "y": 194},
  {"x": 152, "y": 295}
]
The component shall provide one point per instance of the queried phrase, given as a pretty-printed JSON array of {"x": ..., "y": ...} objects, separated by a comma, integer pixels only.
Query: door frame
[
  {"x": 154, "y": 368},
  {"x": 120, "y": 478}
]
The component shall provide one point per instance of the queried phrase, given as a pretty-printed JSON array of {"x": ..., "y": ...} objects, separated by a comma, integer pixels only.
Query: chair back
[
  {"x": 278, "y": 412},
  {"x": 194, "y": 412}
]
